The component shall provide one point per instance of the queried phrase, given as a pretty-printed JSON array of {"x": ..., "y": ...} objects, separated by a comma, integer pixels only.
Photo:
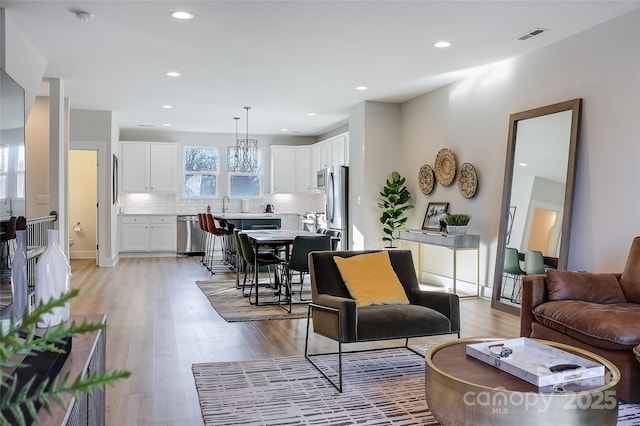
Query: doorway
[{"x": 83, "y": 200}]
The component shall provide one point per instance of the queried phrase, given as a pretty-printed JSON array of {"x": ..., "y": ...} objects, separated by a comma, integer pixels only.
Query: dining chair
[
  {"x": 265, "y": 258},
  {"x": 298, "y": 261},
  {"x": 512, "y": 270}
]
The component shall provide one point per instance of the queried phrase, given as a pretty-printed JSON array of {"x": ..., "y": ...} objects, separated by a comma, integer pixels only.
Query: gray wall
[{"x": 602, "y": 66}]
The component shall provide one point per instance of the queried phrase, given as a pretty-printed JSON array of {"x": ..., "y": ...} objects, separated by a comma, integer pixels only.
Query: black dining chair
[
  {"x": 298, "y": 261},
  {"x": 265, "y": 258}
]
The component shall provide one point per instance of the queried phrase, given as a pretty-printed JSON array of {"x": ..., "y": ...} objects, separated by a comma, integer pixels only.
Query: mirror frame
[{"x": 574, "y": 105}]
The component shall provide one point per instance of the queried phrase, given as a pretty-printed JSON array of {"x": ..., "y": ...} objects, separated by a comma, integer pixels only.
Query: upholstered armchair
[
  {"x": 336, "y": 315},
  {"x": 596, "y": 312}
]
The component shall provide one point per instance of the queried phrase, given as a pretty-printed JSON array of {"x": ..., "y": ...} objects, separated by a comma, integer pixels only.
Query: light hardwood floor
[{"x": 159, "y": 323}]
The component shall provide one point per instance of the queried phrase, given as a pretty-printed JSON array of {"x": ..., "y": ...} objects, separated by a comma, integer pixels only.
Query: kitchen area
[{"x": 156, "y": 218}]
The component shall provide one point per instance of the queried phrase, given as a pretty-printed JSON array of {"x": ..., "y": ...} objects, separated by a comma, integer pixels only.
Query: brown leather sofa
[{"x": 596, "y": 312}]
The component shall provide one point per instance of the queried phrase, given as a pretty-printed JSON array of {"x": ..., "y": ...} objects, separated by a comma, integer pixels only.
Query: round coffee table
[{"x": 462, "y": 390}]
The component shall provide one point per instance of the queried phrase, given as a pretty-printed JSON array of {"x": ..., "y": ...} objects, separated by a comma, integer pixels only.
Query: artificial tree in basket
[{"x": 395, "y": 200}]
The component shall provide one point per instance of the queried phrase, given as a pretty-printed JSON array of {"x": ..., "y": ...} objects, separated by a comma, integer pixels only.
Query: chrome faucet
[
  {"x": 224, "y": 207},
  {"x": 10, "y": 205}
]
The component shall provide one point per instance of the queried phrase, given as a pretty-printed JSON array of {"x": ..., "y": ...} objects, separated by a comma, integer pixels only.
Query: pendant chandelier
[{"x": 243, "y": 157}]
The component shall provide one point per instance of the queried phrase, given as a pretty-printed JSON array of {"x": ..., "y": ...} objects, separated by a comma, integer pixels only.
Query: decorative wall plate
[
  {"x": 445, "y": 167},
  {"x": 426, "y": 179},
  {"x": 467, "y": 180}
]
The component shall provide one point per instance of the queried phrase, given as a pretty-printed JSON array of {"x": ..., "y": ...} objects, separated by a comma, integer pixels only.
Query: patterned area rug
[
  {"x": 380, "y": 388},
  {"x": 234, "y": 307}
]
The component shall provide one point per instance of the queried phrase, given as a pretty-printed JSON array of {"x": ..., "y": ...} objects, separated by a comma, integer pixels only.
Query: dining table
[{"x": 276, "y": 239}]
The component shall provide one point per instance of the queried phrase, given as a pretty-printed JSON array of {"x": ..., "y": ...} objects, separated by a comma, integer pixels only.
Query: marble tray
[{"x": 530, "y": 361}]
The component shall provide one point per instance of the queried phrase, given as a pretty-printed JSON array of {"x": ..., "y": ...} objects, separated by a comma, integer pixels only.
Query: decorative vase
[
  {"x": 52, "y": 280},
  {"x": 456, "y": 230},
  {"x": 19, "y": 275}
]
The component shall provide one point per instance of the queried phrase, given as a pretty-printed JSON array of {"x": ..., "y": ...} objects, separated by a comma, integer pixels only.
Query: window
[
  {"x": 200, "y": 171},
  {"x": 247, "y": 183},
  {"x": 12, "y": 171}
]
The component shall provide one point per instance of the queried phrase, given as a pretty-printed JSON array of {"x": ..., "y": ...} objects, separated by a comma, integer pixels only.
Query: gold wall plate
[
  {"x": 426, "y": 179},
  {"x": 445, "y": 167}
]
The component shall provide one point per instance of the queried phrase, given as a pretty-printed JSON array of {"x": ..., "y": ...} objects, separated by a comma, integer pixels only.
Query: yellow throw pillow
[{"x": 371, "y": 280}]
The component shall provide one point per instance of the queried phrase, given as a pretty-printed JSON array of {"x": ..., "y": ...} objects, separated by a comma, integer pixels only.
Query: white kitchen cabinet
[
  {"x": 328, "y": 153},
  {"x": 290, "y": 169},
  {"x": 148, "y": 167},
  {"x": 152, "y": 233},
  {"x": 303, "y": 169}
]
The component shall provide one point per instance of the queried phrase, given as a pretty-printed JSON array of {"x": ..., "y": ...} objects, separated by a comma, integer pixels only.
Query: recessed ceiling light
[
  {"x": 182, "y": 14},
  {"x": 311, "y": 114},
  {"x": 523, "y": 164},
  {"x": 442, "y": 44},
  {"x": 167, "y": 106},
  {"x": 284, "y": 130},
  {"x": 166, "y": 125},
  {"x": 173, "y": 74},
  {"x": 361, "y": 88}
]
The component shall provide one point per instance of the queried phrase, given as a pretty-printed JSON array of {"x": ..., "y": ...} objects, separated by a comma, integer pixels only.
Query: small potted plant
[
  {"x": 457, "y": 223},
  {"x": 396, "y": 199}
]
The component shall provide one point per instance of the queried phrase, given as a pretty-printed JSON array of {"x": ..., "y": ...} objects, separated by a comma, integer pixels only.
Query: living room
[{"x": 601, "y": 65}]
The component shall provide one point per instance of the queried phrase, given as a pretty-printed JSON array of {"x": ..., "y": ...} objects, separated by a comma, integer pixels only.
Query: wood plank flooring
[{"x": 159, "y": 323}]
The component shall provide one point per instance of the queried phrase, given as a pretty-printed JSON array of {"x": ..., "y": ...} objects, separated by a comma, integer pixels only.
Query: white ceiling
[{"x": 283, "y": 58}]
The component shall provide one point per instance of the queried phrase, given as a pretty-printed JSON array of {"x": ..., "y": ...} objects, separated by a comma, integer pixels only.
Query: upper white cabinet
[
  {"x": 148, "y": 166},
  {"x": 290, "y": 169},
  {"x": 328, "y": 153}
]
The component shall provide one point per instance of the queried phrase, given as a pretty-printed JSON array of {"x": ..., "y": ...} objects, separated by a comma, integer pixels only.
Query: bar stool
[
  {"x": 5, "y": 239},
  {"x": 222, "y": 235}
]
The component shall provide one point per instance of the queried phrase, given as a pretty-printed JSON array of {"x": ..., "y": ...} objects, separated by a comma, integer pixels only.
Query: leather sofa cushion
[
  {"x": 596, "y": 288},
  {"x": 612, "y": 326},
  {"x": 377, "y": 322},
  {"x": 630, "y": 279}
]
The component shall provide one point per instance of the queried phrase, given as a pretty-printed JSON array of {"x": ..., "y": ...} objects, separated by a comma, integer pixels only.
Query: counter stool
[
  {"x": 6, "y": 238},
  {"x": 213, "y": 233}
]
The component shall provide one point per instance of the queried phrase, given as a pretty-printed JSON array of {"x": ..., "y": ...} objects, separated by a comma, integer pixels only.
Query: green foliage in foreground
[{"x": 21, "y": 340}]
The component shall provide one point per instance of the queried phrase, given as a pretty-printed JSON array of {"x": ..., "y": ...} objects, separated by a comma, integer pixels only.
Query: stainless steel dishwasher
[{"x": 190, "y": 236}]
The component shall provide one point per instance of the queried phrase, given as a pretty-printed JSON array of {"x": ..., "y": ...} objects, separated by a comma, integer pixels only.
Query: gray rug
[
  {"x": 380, "y": 388},
  {"x": 234, "y": 307}
]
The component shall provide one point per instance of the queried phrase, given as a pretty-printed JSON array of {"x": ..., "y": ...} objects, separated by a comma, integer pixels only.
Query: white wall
[
  {"x": 374, "y": 153},
  {"x": 602, "y": 66}
]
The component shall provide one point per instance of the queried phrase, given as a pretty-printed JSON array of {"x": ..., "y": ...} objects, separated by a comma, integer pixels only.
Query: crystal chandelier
[{"x": 243, "y": 157}]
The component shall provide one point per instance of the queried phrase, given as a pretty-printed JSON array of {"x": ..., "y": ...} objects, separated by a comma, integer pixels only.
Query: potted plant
[
  {"x": 395, "y": 200},
  {"x": 457, "y": 223}
]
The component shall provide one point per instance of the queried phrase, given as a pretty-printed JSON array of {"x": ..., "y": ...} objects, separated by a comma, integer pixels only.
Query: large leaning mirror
[{"x": 537, "y": 198}]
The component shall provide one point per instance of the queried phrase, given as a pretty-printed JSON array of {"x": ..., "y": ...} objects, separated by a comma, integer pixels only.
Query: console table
[
  {"x": 454, "y": 243},
  {"x": 87, "y": 356}
]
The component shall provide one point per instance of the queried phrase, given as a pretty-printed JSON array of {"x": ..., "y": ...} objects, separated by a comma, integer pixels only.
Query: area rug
[
  {"x": 232, "y": 306},
  {"x": 380, "y": 388}
]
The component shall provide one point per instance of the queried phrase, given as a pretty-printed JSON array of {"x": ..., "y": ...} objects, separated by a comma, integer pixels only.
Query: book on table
[{"x": 537, "y": 363}]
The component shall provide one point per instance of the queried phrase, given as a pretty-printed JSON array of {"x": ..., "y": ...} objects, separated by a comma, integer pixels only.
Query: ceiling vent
[{"x": 531, "y": 33}]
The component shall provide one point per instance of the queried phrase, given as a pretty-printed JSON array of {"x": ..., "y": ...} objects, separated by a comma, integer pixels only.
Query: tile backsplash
[{"x": 175, "y": 204}]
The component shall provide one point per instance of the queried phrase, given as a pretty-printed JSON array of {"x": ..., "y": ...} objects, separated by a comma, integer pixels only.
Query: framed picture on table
[{"x": 432, "y": 217}]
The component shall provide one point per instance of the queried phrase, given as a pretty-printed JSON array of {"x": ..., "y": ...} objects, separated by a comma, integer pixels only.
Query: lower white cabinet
[{"x": 153, "y": 233}]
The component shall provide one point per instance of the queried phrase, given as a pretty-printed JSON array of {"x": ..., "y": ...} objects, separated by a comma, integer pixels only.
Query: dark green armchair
[{"x": 334, "y": 314}]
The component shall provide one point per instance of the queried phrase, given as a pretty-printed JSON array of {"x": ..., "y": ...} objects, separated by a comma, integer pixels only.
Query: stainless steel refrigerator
[{"x": 335, "y": 183}]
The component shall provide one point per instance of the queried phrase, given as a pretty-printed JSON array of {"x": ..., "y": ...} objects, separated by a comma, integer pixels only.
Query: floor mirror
[{"x": 537, "y": 198}]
